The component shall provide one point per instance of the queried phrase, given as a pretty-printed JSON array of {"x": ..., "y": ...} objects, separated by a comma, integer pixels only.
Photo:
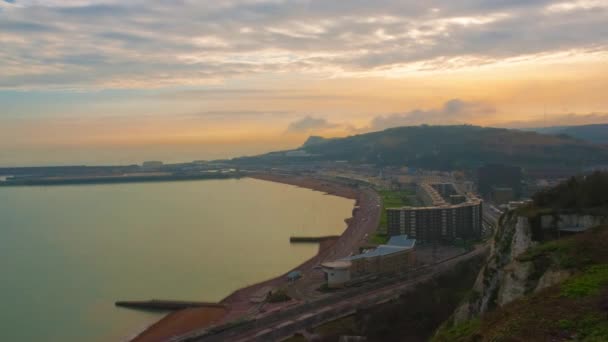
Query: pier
[
  {"x": 167, "y": 305},
  {"x": 311, "y": 239}
]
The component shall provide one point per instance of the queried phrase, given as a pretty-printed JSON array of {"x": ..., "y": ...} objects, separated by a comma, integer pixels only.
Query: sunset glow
[{"x": 268, "y": 73}]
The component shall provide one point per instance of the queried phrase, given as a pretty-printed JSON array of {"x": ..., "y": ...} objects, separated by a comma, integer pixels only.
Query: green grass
[
  {"x": 565, "y": 253},
  {"x": 560, "y": 249},
  {"x": 587, "y": 284},
  {"x": 390, "y": 199},
  {"x": 379, "y": 239},
  {"x": 459, "y": 332},
  {"x": 592, "y": 327}
]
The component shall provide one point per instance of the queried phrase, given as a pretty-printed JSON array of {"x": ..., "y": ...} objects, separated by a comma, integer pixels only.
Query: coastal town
[{"x": 407, "y": 226}]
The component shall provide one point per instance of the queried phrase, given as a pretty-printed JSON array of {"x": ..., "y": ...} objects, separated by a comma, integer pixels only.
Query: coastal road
[
  {"x": 490, "y": 216},
  {"x": 286, "y": 323}
]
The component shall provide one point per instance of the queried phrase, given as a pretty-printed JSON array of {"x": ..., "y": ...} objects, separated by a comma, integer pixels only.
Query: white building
[{"x": 337, "y": 273}]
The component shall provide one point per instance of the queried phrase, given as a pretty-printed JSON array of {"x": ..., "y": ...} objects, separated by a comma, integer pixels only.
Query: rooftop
[
  {"x": 338, "y": 264},
  {"x": 396, "y": 244}
]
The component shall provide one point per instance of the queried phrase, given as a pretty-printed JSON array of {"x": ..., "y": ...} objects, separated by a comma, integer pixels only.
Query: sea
[{"x": 67, "y": 253}]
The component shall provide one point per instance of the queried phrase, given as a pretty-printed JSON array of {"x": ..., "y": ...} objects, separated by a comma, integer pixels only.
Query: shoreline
[{"x": 359, "y": 226}]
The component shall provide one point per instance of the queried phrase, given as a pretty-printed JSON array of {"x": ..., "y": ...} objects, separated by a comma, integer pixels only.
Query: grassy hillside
[
  {"x": 575, "y": 310},
  {"x": 448, "y": 147}
]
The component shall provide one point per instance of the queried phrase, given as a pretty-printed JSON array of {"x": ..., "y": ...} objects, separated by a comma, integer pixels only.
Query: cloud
[
  {"x": 452, "y": 112},
  {"x": 310, "y": 124},
  {"x": 131, "y": 44}
]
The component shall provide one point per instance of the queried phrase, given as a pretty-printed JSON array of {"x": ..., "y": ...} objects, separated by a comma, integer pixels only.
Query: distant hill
[
  {"x": 314, "y": 140},
  {"x": 449, "y": 147},
  {"x": 597, "y": 133}
]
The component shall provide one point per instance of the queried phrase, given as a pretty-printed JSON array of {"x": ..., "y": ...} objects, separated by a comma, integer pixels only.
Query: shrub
[{"x": 278, "y": 296}]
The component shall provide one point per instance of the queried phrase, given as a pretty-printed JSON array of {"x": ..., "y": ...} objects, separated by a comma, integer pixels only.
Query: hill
[
  {"x": 314, "y": 140},
  {"x": 597, "y": 133},
  {"x": 450, "y": 147}
]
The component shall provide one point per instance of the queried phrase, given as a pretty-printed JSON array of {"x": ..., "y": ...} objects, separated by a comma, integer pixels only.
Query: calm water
[{"x": 67, "y": 253}]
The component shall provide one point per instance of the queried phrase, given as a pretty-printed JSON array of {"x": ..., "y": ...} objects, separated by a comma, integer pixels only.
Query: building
[
  {"x": 461, "y": 217},
  {"x": 337, "y": 273},
  {"x": 396, "y": 256}
]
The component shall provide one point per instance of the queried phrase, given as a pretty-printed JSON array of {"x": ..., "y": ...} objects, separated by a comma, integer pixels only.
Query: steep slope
[
  {"x": 569, "y": 301},
  {"x": 448, "y": 147},
  {"x": 547, "y": 264}
]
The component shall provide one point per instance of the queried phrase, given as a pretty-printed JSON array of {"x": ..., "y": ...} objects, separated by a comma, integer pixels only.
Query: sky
[{"x": 108, "y": 81}]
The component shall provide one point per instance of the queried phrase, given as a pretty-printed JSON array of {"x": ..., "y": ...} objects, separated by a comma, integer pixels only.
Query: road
[
  {"x": 283, "y": 324},
  {"x": 490, "y": 216}
]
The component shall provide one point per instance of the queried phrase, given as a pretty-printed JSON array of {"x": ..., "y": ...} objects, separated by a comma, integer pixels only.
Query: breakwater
[
  {"x": 39, "y": 181},
  {"x": 312, "y": 239},
  {"x": 169, "y": 305}
]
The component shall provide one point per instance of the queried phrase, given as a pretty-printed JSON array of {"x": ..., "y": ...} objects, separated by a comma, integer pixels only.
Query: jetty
[
  {"x": 166, "y": 305},
  {"x": 311, "y": 239}
]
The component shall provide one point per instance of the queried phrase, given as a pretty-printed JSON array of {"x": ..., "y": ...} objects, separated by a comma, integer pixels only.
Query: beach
[{"x": 363, "y": 223}]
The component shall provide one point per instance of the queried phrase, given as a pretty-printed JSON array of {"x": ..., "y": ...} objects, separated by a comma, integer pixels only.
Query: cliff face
[
  {"x": 557, "y": 290},
  {"x": 508, "y": 274}
]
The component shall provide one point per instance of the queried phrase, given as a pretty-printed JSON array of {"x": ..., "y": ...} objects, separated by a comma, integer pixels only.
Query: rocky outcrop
[{"x": 507, "y": 277}]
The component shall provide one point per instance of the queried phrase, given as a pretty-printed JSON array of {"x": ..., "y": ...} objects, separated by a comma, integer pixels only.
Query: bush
[
  {"x": 576, "y": 193},
  {"x": 278, "y": 296}
]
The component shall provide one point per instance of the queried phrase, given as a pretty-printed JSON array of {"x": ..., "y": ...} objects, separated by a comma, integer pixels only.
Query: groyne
[
  {"x": 113, "y": 179},
  {"x": 312, "y": 239},
  {"x": 168, "y": 305}
]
